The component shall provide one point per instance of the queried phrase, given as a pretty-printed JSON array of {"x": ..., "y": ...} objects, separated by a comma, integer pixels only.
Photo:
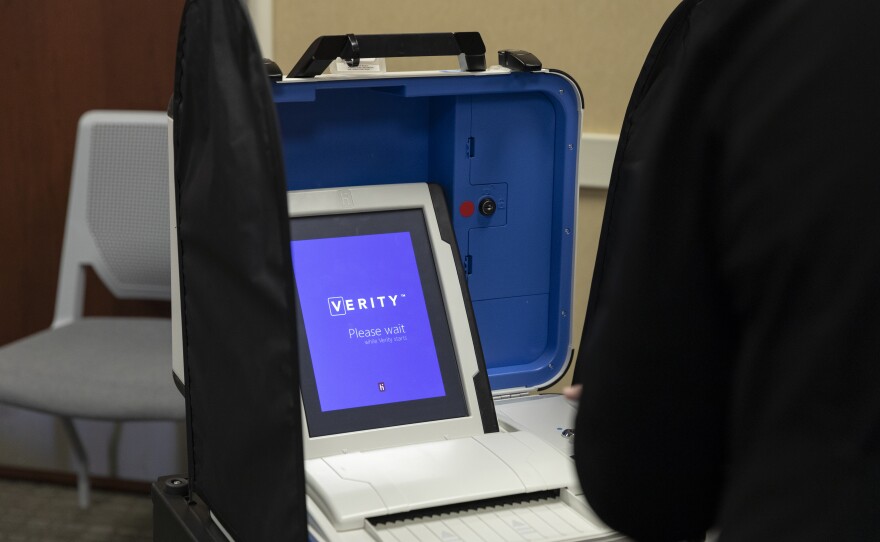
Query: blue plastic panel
[{"x": 511, "y": 137}]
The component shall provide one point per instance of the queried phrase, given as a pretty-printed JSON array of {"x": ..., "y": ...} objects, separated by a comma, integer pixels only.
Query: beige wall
[{"x": 601, "y": 43}]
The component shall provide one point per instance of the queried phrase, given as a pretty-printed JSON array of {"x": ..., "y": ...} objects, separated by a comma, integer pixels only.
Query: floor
[{"x": 37, "y": 512}]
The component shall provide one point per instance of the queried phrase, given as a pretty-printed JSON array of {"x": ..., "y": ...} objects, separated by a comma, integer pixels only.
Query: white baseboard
[{"x": 596, "y": 158}]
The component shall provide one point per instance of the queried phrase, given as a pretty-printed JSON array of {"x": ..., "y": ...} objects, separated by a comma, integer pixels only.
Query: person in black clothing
[{"x": 730, "y": 361}]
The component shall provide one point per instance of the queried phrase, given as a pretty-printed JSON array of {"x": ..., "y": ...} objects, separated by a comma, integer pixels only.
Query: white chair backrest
[{"x": 117, "y": 213}]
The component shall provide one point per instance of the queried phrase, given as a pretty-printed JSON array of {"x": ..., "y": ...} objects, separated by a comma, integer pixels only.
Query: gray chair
[{"x": 105, "y": 368}]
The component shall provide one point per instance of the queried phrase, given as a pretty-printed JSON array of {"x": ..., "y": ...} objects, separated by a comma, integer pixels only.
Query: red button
[{"x": 466, "y": 209}]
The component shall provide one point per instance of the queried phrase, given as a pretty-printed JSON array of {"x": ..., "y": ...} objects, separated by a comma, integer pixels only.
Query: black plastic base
[{"x": 180, "y": 517}]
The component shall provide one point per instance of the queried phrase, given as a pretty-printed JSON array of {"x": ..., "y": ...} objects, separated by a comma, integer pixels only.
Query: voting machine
[
  {"x": 381, "y": 265},
  {"x": 400, "y": 437}
]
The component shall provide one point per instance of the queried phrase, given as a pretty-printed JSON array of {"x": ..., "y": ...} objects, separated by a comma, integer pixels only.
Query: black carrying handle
[{"x": 467, "y": 46}]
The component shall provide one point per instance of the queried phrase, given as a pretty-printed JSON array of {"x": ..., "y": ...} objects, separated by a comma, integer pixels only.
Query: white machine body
[{"x": 443, "y": 480}]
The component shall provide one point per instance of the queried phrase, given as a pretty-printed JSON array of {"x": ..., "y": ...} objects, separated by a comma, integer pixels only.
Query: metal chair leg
[{"x": 80, "y": 462}]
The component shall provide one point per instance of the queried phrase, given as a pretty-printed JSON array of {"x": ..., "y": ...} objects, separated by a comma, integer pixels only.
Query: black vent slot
[{"x": 466, "y": 506}]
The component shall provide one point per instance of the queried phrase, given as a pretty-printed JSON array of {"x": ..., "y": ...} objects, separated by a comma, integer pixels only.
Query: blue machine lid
[{"x": 503, "y": 146}]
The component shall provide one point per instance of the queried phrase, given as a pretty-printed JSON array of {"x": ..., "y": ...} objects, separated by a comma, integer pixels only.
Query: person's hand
[{"x": 573, "y": 392}]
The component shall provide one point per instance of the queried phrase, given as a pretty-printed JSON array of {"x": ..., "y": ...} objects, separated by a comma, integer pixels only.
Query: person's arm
[
  {"x": 729, "y": 358},
  {"x": 653, "y": 357}
]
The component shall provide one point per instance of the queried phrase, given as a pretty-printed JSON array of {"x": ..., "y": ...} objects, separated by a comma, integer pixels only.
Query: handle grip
[{"x": 468, "y": 46}]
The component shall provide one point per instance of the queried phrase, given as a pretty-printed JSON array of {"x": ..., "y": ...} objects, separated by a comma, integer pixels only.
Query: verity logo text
[{"x": 340, "y": 306}]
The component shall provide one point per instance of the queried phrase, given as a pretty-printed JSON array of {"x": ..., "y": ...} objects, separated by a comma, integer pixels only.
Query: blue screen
[
  {"x": 366, "y": 320},
  {"x": 373, "y": 340}
]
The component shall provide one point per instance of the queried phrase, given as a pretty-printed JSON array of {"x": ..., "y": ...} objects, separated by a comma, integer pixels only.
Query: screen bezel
[
  {"x": 384, "y": 198},
  {"x": 362, "y": 418}
]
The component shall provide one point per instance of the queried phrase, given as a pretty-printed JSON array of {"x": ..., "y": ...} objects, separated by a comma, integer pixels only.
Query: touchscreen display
[{"x": 374, "y": 343}]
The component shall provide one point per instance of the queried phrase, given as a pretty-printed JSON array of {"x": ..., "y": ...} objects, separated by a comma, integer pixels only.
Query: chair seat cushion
[{"x": 98, "y": 368}]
